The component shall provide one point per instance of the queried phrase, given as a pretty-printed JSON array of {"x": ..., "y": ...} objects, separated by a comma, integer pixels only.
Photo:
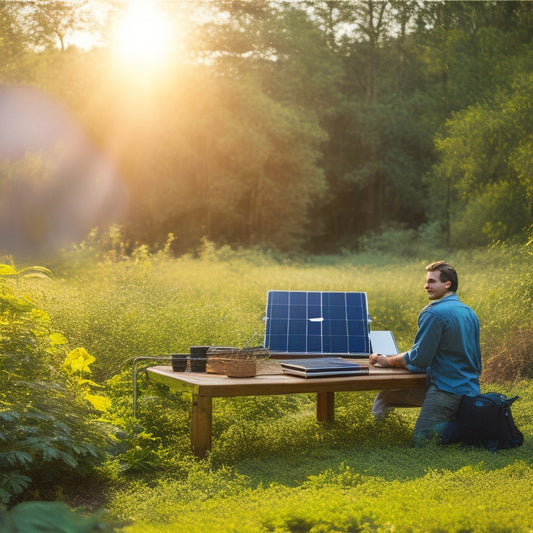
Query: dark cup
[
  {"x": 179, "y": 362},
  {"x": 198, "y": 358}
]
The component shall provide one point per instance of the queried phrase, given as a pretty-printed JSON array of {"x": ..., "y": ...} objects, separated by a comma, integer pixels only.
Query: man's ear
[{"x": 448, "y": 284}]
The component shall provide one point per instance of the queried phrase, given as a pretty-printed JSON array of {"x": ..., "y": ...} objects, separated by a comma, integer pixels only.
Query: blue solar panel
[{"x": 317, "y": 322}]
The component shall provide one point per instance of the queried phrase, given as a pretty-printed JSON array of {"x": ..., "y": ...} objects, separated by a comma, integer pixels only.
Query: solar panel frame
[{"x": 317, "y": 323}]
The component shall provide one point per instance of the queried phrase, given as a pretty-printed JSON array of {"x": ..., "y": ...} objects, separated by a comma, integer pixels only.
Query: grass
[
  {"x": 272, "y": 467},
  {"x": 342, "y": 500},
  {"x": 355, "y": 477},
  {"x": 125, "y": 309}
]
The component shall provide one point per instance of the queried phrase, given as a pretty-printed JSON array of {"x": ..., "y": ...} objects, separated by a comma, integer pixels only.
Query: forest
[
  {"x": 299, "y": 126},
  {"x": 166, "y": 163}
]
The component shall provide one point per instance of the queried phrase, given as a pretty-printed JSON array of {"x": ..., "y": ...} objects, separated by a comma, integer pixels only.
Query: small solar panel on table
[{"x": 313, "y": 322}]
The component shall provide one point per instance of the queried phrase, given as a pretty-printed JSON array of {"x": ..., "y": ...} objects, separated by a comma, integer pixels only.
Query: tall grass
[
  {"x": 272, "y": 466},
  {"x": 157, "y": 305}
]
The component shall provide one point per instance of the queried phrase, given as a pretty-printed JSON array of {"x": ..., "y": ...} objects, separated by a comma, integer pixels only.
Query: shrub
[
  {"x": 47, "y": 517},
  {"x": 47, "y": 411}
]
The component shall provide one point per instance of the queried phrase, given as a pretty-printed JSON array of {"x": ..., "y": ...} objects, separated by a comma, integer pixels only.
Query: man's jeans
[
  {"x": 437, "y": 416},
  {"x": 387, "y": 400}
]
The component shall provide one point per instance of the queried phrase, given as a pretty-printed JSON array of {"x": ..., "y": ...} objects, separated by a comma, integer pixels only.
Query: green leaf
[
  {"x": 7, "y": 270},
  {"x": 58, "y": 339},
  {"x": 12, "y": 483},
  {"x": 88, "y": 382},
  {"x": 78, "y": 360},
  {"x": 9, "y": 416},
  {"x": 15, "y": 458},
  {"x": 98, "y": 402},
  {"x": 35, "y": 272},
  {"x": 49, "y": 517}
]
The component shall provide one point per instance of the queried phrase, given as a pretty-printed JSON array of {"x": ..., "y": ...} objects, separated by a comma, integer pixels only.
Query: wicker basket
[
  {"x": 235, "y": 368},
  {"x": 234, "y": 362},
  {"x": 215, "y": 365},
  {"x": 216, "y": 356}
]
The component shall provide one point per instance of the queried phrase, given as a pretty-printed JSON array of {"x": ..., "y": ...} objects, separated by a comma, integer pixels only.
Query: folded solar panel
[
  {"x": 313, "y": 322},
  {"x": 323, "y": 367}
]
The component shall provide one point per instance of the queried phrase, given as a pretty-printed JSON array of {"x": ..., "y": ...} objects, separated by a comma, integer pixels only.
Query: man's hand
[
  {"x": 392, "y": 361},
  {"x": 376, "y": 359}
]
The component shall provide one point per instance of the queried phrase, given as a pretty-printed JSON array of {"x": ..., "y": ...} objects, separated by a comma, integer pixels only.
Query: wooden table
[{"x": 204, "y": 387}]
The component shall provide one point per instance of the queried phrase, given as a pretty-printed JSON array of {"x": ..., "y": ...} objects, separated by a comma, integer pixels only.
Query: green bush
[
  {"x": 47, "y": 517},
  {"x": 47, "y": 409}
]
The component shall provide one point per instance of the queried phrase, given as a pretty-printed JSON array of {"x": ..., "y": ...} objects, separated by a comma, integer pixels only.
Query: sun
[{"x": 142, "y": 35}]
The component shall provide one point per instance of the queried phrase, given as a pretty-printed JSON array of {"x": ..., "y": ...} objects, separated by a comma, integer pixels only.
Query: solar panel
[
  {"x": 312, "y": 322},
  {"x": 323, "y": 367}
]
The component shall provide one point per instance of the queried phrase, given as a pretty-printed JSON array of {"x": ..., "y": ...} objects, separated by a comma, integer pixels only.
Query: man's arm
[{"x": 391, "y": 361}]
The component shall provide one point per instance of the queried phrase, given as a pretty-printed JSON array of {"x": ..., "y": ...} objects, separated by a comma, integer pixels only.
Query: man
[{"x": 446, "y": 346}]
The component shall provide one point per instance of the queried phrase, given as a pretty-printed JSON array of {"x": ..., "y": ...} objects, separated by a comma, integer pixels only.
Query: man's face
[{"x": 435, "y": 288}]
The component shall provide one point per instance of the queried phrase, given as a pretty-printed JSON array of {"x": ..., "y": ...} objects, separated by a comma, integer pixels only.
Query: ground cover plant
[{"x": 272, "y": 466}]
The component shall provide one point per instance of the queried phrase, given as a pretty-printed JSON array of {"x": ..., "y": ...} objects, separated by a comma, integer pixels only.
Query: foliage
[
  {"x": 272, "y": 466},
  {"x": 41, "y": 27},
  {"x": 288, "y": 125},
  {"x": 76, "y": 364},
  {"x": 512, "y": 363},
  {"x": 51, "y": 517},
  {"x": 483, "y": 166},
  {"x": 153, "y": 305},
  {"x": 46, "y": 416},
  {"x": 363, "y": 483}
]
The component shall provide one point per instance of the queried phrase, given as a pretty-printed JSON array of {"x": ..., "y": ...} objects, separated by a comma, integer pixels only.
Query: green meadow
[
  {"x": 255, "y": 134},
  {"x": 273, "y": 468}
]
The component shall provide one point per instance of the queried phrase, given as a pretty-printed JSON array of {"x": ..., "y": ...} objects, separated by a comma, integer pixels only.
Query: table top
[{"x": 217, "y": 385}]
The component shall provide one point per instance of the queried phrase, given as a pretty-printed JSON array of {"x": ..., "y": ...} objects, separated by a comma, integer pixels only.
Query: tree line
[{"x": 293, "y": 125}]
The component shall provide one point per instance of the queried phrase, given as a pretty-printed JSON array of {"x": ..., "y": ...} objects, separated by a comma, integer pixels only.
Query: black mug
[
  {"x": 198, "y": 358},
  {"x": 179, "y": 362}
]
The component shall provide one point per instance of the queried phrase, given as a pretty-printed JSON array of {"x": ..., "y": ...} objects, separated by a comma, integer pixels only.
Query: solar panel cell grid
[{"x": 317, "y": 322}]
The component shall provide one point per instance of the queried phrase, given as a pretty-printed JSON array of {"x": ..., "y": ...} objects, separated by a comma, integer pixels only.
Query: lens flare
[{"x": 55, "y": 186}]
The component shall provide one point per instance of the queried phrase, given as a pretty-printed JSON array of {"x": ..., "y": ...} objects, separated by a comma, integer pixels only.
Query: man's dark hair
[{"x": 447, "y": 273}]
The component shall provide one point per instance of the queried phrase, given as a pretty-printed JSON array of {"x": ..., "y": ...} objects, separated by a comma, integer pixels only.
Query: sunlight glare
[{"x": 142, "y": 35}]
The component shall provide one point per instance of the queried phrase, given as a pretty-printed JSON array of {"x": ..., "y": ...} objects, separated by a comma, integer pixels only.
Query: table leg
[
  {"x": 325, "y": 407},
  {"x": 201, "y": 425}
]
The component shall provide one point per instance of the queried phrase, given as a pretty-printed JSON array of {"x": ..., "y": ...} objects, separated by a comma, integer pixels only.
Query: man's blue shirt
[{"x": 447, "y": 342}]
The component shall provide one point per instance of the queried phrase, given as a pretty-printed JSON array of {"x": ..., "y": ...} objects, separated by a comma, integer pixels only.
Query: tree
[
  {"x": 13, "y": 47},
  {"x": 49, "y": 24},
  {"x": 378, "y": 136},
  {"x": 483, "y": 166},
  {"x": 230, "y": 149},
  {"x": 356, "y": 28},
  {"x": 323, "y": 108},
  {"x": 247, "y": 167}
]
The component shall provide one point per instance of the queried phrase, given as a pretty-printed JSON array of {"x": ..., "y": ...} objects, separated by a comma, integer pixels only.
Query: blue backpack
[{"x": 486, "y": 420}]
